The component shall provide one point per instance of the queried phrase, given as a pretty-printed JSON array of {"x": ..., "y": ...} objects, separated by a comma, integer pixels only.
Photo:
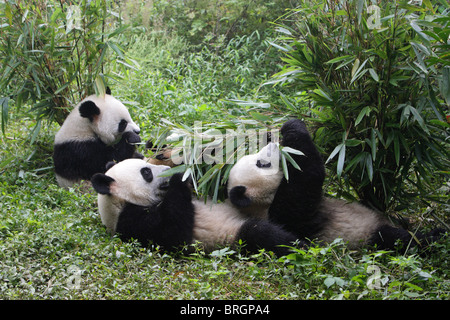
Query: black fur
[
  {"x": 122, "y": 125},
  {"x": 238, "y": 197},
  {"x": 169, "y": 224},
  {"x": 259, "y": 234},
  {"x": 147, "y": 174},
  {"x": 109, "y": 165},
  {"x": 389, "y": 237},
  {"x": 132, "y": 137},
  {"x": 75, "y": 160},
  {"x": 89, "y": 109},
  {"x": 102, "y": 183},
  {"x": 296, "y": 201}
]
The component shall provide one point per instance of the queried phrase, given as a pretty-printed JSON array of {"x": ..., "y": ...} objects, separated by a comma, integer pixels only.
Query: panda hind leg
[
  {"x": 387, "y": 237},
  {"x": 259, "y": 234}
]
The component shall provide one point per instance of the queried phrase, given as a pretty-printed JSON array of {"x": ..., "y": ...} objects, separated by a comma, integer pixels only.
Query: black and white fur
[
  {"x": 136, "y": 203},
  {"x": 299, "y": 204},
  {"x": 97, "y": 131},
  {"x": 125, "y": 196}
]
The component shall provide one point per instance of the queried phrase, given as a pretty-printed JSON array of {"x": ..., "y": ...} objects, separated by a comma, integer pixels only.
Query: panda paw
[
  {"x": 294, "y": 125},
  {"x": 131, "y": 137},
  {"x": 176, "y": 183},
  {"x": 295, "y": 134}
]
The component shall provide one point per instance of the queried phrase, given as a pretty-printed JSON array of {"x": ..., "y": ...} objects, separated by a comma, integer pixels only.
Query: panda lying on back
[
  {"x": 299, "y": 205},
  {"x": 97, "y": 131},
  {"x": 134, "y": 202}
]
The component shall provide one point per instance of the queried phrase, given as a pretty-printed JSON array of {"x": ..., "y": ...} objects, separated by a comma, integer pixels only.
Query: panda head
[
  {"x": 254, "y": 179},
  {"x": 108, "y": 118},
  {"x": 132, "y": 181}
]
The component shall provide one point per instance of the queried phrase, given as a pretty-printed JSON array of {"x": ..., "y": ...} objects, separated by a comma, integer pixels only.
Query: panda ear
[
  {"x": 238, "y": 197},
  {"x": 89, "y": 109},
  {"x": 109, "y": 165},
  {"x": 102, "y": 183},
  {"x": 108, "y": 90}
]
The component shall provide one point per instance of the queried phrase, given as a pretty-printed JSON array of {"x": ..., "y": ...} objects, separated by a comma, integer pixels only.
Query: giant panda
[
  {"x": 299, "y": 205},
  {"x": 127, "y": 199},
  {"x": 98, "y": 130}
]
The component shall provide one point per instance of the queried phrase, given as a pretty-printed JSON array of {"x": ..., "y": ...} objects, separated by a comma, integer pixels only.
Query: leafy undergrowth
[{"x": 53, "y": 246}]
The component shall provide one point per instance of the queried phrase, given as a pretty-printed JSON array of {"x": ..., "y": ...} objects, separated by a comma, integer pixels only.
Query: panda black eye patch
[
  {"x": 122, "y": 125},
  {"x": 147, "y": 174},
  {"x": 260, "y": 164}
]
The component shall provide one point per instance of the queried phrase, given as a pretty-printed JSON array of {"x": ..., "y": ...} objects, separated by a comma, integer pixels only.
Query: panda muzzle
[{"x": 132, "y": 137}]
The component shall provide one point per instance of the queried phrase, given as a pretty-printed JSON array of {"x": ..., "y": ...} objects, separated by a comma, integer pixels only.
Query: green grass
[{"x": 53, "y": 245}]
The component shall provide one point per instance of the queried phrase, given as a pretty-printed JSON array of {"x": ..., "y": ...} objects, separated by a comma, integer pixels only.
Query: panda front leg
[
  {"x": 298, "y": 198},
  {"x": 295, "y": 135},
  {"x": 176, "y": 212}
]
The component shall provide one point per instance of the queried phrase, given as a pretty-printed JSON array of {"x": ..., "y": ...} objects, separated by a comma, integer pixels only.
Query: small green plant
[{"x": 374, "y": 77}]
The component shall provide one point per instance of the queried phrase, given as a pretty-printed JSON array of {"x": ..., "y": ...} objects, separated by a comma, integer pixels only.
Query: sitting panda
[
  {"x": 299, "y": 204},
  {"x": 134, "y": 202},
  {"x": 97, "y": 131}
]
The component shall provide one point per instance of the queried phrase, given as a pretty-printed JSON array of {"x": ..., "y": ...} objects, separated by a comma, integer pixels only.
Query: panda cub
[
  {"x": 98, "y": 130},
  {"x": 134, "y": 202},
  {"x": 299, "y": 204}
]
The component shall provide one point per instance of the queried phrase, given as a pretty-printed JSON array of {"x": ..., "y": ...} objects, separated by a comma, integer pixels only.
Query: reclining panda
[
  {"x": 98, "y": 130},
  {"x": 299, "y": 206},
  {"x": 135, "y": 202}
]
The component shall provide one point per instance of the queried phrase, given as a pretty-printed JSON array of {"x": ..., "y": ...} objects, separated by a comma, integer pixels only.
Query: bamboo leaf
[
  {"x": 341, "y": 161},
  {"x": 339, "y": 59},
  {"x": 291, "y": 150},
  {"x": 291, "y": 160},
  {"x": 364, "y": 112},
  {"x": 4, "y": 104},
  {"x": 355, "y": 67},
  {"x": 359, "y": 72},
  {"x": 172, "y": 171},
  {"x": 374, "y": 74},
  {"x": 278, "y": 46},
  {"x": 397, "y": 150},
  {"x": 284, "y": 167},
  {"x": 353, "y": 142},
  {"x": 334, "y": 152},
  {"x": 369, "y": 166},
  {"x": 99, "y": 86}
]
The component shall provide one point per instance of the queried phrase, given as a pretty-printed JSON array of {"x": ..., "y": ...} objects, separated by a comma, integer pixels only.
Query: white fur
[
  {"x": 352, "y": 222},
  {"x": 216, "y": 223},
  {"x": 112, "y": 111},
  {"x": 129, "y": 186},
  {"x": 109, "y": 208}
]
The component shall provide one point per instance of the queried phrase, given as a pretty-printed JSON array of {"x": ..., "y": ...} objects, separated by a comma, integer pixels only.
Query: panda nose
[{"x": 137, "y": 131}]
